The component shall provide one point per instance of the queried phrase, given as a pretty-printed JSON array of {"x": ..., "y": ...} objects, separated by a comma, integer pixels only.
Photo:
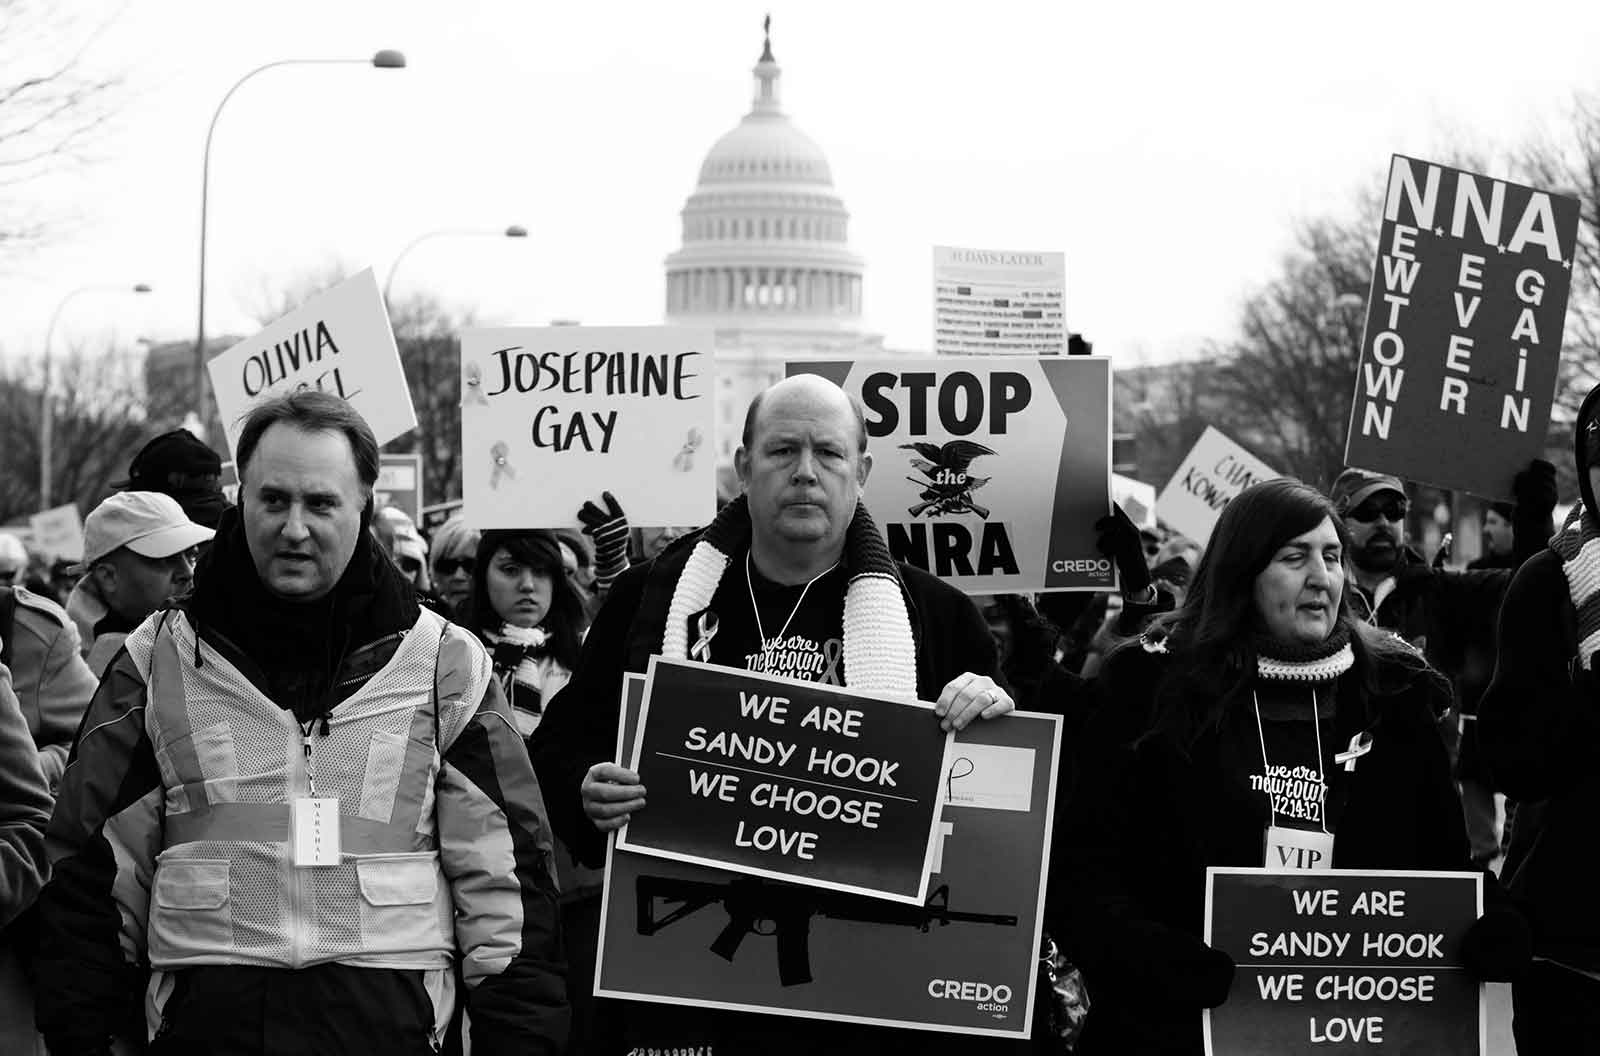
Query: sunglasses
[
  {"x": 1367, "y": 512},
  {"x": 446, "y": 566},
  {"x": 409, "y": 565}
]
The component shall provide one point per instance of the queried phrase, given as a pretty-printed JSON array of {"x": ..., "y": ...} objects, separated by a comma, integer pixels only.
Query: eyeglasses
[
  {"x": 446, "y": 566},
  {"x": 409, "y": 565},
  {"x": 1367, "y": 512}
]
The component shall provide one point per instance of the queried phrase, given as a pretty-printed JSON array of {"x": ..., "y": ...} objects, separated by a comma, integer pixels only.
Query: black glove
[
  {"x": 1498, "y": 947},
  {"x": 1119, "y": 540},
  {"x": 1535, "y": 487},
  {"x": 609, "y": 530}
]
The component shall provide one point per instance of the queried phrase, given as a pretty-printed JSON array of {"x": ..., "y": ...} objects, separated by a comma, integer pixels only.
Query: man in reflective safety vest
[{"x": 298, "y": 811}]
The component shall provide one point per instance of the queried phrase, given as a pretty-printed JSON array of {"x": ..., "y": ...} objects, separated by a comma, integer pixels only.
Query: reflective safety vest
[{"x": 226, "y": 889}]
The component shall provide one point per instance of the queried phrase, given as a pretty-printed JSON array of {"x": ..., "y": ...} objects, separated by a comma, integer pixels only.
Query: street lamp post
[
  {"x": 387, "y": 59},
  {"x": 46, "y": 405},
  {"x": 514, "y": 231}
]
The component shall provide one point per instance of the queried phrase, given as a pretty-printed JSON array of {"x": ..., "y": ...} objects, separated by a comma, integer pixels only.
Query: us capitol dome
[{"x": 766, "y": 260}]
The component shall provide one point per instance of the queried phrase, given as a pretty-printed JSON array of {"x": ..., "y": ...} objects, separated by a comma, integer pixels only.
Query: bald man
[{"x": 765, "y": 586}]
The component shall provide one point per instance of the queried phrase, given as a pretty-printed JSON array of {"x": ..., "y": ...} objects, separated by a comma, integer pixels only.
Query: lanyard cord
[
  {"x": 1316, "y": 724},
  {"x": 749, "y": 582}
]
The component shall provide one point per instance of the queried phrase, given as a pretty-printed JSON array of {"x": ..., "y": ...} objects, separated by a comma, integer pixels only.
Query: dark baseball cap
[{"x": 1355, "y": 486}]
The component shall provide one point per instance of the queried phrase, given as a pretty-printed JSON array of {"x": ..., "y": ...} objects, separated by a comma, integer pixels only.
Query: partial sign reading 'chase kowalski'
[
  {"x": 339, "y": 342},
  {"x": 552, "y": 416},
  {"x": 988, "y": 471},
  {"x": 1463, "y": 338}
]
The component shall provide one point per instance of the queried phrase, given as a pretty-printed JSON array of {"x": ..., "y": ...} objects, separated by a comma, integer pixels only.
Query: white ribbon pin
[{"x": 1360, "y": 745}]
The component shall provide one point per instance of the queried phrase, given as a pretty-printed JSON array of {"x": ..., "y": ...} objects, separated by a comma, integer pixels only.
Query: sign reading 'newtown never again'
[
  {"x": 551, "y": 416},
  {"x": 990, "y": 471},
  {"x": 340, "y": 342},
  {"x": 1344, "y": 961},
  {"x": 1463, "y": 337},
  {"x": 788, "y": 779},
  {"x": 1213, "y": 472}
]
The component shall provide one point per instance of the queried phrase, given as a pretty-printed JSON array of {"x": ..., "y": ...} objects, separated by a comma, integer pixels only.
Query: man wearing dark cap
[
  {"x": 181, "y": 465},
  {"x": 1448, "y": 615}
]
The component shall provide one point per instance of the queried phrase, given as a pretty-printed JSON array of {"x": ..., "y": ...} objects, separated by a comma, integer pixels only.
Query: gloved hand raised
[
  {"x": 609, "y": 529},
  {"x": 1119, "y": 540}
]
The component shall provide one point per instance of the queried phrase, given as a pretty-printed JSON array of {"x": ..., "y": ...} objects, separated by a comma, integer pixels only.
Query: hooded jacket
[
  {"x": 1539, "y": 731},
  {"x": 118, "y": 812}
]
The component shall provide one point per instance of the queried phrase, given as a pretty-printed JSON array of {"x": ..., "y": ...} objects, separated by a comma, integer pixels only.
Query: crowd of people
[{"x": 286, "y": 775}]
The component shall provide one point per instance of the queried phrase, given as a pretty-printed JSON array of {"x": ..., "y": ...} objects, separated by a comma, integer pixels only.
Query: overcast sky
[{"x": 1165, "y": 148}]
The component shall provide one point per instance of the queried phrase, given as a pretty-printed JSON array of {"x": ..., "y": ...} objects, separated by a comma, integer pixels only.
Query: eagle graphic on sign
[{"x": 947, "y": 486}]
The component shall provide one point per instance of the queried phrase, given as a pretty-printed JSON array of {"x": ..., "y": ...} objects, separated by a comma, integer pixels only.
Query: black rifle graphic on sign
[
  {"x": 948, "y": 488},
  {"x": 759, "y": 907}
]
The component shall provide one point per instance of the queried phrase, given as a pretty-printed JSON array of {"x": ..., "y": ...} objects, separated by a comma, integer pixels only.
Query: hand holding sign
[
  {"x": 610, "y": 794},
  {"x": 969, "y": 697}
]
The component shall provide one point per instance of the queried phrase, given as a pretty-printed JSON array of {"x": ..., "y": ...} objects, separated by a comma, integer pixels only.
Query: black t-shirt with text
[{"x": 803, "y": 626}]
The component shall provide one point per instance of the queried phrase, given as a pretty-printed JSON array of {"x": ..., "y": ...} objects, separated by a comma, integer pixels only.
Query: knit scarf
[
  {"x": 518, "y": 650},
  {"x": 1320, "y": 662},
  {"x": 1578, "y": 543},
  {"x": 879, "y": 650}
]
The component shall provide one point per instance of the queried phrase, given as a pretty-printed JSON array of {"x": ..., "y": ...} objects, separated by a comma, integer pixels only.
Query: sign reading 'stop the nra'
[
  {"x": 988, "y": 471},
  {"x": 1464, "y": 322}
]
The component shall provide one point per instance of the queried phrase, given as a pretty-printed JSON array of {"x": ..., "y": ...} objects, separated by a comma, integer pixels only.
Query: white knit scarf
[{"x": 879, "y": 650}]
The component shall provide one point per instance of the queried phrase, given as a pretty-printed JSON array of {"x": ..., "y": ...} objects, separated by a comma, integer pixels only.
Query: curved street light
[
  {"x": 513, "y": 231},
  {"x": 387, "y": 59},
  {"x": 46, "y": 405}
]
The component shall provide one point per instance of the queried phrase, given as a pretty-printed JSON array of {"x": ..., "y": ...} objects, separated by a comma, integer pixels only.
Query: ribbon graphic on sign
[
  {"x": 475, "y": 385},
  {"x": 501, "y": 467},
  {"x": 683, "y": 461}
]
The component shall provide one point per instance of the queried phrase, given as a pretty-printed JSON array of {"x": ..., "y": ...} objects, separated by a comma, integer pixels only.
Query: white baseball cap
[{"x": 147, "y": 522}]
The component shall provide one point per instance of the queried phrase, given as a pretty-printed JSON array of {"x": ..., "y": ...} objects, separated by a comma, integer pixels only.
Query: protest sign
[
  {"x": 1464, "y": 322},
  {"x": 230, "y": 482},
  {"x": 551, "y": 416},
  {"x": 340, "y": 342},
  {"x": 433, "y": 517},
  {"x": 1358, "y": 959},
  {"x": 966, "y": 960},
  {"x": 1137, "y": 499},
  {"x": 58, "y": 533},
  {"x": 989, "y": 302},
  {"x": 988, "y": 472},
  {"x": 1211, "y": 474},
  {"x": 400, "y": 484},
  {"x": 788, "y": 779}
]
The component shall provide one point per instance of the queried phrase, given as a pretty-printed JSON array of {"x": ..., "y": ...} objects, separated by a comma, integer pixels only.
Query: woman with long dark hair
[
  {"x": 1214, "y": 744},
  {"x": 527, "y": 612}
]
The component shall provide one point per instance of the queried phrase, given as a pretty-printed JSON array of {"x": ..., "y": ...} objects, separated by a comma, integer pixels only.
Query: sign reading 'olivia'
[{"x": 340, "y": 342}]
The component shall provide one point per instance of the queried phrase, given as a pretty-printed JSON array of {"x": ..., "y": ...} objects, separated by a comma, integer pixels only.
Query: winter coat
[
  {"x": 118, "y": 810},
  {"x": 24, "y": 813},
  {"x": 580, "y": 729},
  {"x": 51, "y": 680},
  {"x": 1150, "y": 814}
]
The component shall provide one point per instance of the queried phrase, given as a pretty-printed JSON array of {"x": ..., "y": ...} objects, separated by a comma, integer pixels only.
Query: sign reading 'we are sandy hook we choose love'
[{"x": 551, "y": 416}]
